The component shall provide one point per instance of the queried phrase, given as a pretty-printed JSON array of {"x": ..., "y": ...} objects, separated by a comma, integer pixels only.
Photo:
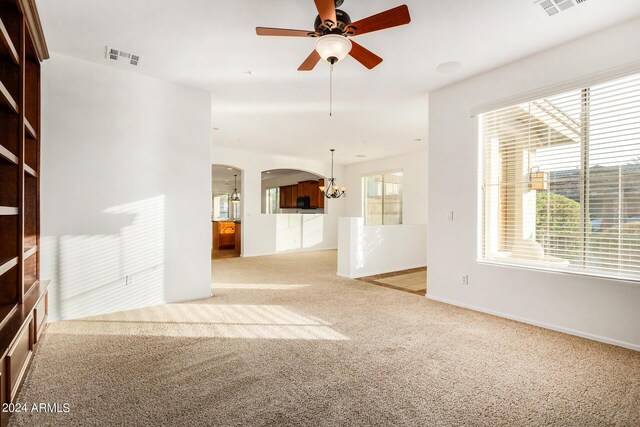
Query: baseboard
[
  {"x": 568, "y": 331},
  {"x": 297, "y": 251},
  {"x": 382, "y": 271}
]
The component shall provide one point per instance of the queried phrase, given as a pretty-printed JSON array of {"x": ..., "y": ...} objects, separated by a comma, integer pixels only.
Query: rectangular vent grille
[
  {"x": 122, "y": 56},
  {"x": 553, "y": 7}
]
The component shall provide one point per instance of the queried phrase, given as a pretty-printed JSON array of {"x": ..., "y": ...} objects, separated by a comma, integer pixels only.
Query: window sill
[{"x": 566, "y": 269}]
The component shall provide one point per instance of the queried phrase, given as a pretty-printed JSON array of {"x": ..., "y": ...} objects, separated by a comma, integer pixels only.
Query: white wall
[
  {"x": 606, "y": 310},
  {"x": 270, "y": 234},
  {"x": 368, "y": 250},
  {"x": 126, "y": 188},
  {"x": 414, "y": 198},
  {"x": 364, "y": 251}
]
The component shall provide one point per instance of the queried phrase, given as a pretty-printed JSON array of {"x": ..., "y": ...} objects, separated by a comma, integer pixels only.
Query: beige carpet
[{"x": 286, "y": 342}]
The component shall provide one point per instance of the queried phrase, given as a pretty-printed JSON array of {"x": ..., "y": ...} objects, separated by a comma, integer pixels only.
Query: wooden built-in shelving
[
  {"x": 7, "y": 155},
  {"x": 8, "y": 210},
  {"x": 31, "y": 132},
  {"x": 29, "y": 252},
  {"x": 8, "y": 99},
  {"x": 29, "y": 170},
  {"x": 23, "y": 296},
  {"x": 7, "y": 264},
  {"x": 7, "y": 44}
]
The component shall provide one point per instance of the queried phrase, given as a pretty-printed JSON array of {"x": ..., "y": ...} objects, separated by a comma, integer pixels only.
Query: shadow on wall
[
  {"x": 119, "y": 266},
  {"x": 367, "y": 245},
  {"x": 297, "y": 231}
]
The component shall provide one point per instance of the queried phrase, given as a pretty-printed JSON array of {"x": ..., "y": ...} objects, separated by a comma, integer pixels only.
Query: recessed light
[
  {"x": 360, "y": 156},
  {"x": 449, "y": 67},
  {"x": 267, "y": 172},
  {"x": 230, "y": 169}
]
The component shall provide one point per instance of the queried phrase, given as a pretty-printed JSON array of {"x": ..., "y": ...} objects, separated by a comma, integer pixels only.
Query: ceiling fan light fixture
[{"x": 333, "y": 47}]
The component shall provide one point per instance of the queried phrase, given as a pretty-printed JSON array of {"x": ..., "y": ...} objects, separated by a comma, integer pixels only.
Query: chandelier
[
  {"x": 333, "y": 191},
  {"x": 235, "y": 197}
]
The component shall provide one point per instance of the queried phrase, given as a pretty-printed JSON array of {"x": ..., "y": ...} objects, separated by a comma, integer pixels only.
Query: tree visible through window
[
  {"x": 382, "y": 198},
  {"x": 561, "y": 181}
]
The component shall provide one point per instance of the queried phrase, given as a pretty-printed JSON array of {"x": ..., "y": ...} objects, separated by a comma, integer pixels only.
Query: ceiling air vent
[
  {"x": 122, "y": 56},
  {"x": 553, "y": 7}
]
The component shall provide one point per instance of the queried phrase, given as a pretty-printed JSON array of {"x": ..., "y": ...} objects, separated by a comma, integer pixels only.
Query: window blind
[{"x": 560, "y": 181}]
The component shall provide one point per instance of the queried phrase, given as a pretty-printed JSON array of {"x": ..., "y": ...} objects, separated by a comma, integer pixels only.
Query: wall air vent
[
  {"x": 122, "y": 56},
  {"x": 553, "y": 7}
]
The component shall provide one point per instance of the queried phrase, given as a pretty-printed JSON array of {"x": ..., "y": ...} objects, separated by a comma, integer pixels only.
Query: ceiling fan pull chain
[{"x": 331, "y": 90}]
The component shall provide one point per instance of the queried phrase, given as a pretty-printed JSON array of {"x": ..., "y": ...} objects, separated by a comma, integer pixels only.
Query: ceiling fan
[{"x": 334, "y": 30}]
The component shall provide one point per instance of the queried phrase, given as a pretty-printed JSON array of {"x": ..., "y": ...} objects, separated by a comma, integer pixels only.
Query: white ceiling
[
  {"x": 211, "y": 44},
  {"x": 286, "y": 173},
  {"x": 222, "y": 179}
]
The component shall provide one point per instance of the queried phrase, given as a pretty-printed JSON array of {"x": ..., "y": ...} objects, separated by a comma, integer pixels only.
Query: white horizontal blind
[{"x": 561, "y": 181}]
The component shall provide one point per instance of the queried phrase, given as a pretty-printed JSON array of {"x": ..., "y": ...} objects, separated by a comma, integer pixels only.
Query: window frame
[
  {"x": 267, "y": 197},
  {"x": 363, "y": 176},
  {"x": 483, "y": 258}
]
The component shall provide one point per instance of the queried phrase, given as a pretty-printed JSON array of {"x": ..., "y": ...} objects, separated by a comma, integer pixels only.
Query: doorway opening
[{"x": 226, "y": 212}]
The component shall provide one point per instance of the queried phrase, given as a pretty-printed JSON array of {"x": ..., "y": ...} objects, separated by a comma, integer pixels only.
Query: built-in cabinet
[
  {"x": 289, "y": 194},
  {"x": 226, "y": 235},
  {"x": 23, "y": 297}
]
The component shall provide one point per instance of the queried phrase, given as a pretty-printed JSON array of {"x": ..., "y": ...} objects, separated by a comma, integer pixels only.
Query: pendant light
[
  {"x": 235, "y": 197},
  {"x": 333, "y": 191}
]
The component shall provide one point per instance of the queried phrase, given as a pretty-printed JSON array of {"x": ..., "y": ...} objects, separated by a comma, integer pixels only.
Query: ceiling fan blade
[
  {"x": 311, "y": 61},
  {"x": 326, "y": 10},
  {"x": 364, "y": 56},
  {"x": 381, "y": 21},
  {"x": 262, "y": 31}
]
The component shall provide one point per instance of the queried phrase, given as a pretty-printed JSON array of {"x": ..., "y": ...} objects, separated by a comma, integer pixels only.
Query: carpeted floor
[{"x": 286, "y": 342}]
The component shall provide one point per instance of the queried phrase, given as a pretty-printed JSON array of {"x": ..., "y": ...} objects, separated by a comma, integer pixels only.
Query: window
[
  {"x": 272, "y": 198},
  {"x": 224, "y": 209},
  {"x": 382, "y": 198},
  {"x": 560, "y": 182},
  {"x": 221, "y": 206}
]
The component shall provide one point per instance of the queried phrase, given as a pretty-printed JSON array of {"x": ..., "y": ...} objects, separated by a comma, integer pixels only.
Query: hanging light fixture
[
  {"x": 333, "y": 191},
  {"x": 333, "y": 48},
  {"x": 235, "y": 197}
]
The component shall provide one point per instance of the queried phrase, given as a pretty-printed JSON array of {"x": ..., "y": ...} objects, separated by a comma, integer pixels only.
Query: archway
[{"x": 226, "y": 211}]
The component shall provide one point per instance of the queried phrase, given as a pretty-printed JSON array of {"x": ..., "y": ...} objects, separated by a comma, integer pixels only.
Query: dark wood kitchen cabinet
[{"x": 289, "y": 194}]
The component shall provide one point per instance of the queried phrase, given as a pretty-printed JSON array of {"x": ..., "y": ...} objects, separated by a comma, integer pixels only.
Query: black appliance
[{"x": 303, "y": 202}]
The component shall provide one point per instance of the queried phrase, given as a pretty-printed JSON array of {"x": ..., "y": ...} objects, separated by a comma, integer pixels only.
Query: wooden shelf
[
  {"x": 8, "y": 44},
  {"x": 23, "y": 297},
  {"x": 8, "y": 210},
  {"x": 29, "y": 170},
  {"x": 7, "y": 264},
  {"x": 6, "y": 310},
  {"x": 8, "y": 155},
  {"x": 8, "y": 99},
  {"x": 20, "y": 313},
  {"x": 31, "y": 132},
  {"x": 29, "y": 252}
]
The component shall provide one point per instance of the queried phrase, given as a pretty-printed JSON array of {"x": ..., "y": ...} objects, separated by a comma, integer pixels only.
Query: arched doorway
[{"x": 226, "y": 211}]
